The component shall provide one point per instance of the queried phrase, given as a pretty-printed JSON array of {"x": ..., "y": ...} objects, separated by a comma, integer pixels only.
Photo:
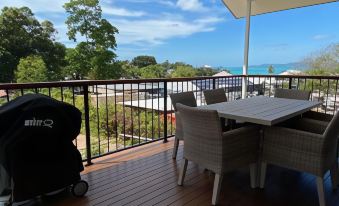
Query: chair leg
[
  {"x": 183, "y": 173},
  {"x": 175, "y": 148},
  {"x": 334, "y": 175},
  {"x": 254, "y": 175},
  {"x": 321, "y": 191},
  {"x": 216, "y": 188},
  {"x": 263, "y": 168}
]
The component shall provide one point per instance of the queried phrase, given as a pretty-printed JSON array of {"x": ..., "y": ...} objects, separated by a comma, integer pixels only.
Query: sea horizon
[{"x": 263, "y": 69}]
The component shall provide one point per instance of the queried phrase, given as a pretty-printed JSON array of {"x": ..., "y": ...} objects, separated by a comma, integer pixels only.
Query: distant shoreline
[{"x": 261, "y": 69}]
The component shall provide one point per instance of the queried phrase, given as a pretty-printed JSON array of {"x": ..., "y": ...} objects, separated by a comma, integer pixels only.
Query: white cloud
[
  {"x": 121, "y": 12},
  {"x": 190, "y": 5},
  {"x": 322, "y": 37},
  {"x": 156, "y": 31},
  {"x": 56, "y": 6},
  {"x": 209, "y": 20},
  {"x": 36, "y": 5},
  {"x": 163, "y": 2}
]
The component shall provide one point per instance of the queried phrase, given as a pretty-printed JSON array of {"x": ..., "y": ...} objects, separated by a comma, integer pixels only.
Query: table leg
[{"x": 261, "y": 144}]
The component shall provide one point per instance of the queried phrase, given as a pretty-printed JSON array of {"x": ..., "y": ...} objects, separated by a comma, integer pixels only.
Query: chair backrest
[
  {"x": 331, "y": 136},
  {"x": 215, "y": 96},
  {"x": 292, "y": 94},
  {"x": 185, "y": 98},
  {"x": 203, "y": 136}
]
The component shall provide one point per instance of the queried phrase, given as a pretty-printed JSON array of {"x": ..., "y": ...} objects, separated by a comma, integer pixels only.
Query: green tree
[
  {"x": 129, "y": 71},
  {"x": 167, "y": 65},
  {"x": 143, "y": 61},
  {"x": 31, "y": 69},
  {"x": 104, "y": 67},
  {"x": 85, "y": 19},
  {"x": 205, "y": 71},
  {"x": 270, "y": 69},
  {"x": 78, "y": 63},
  {"x": 152, "y": 71},
  {"x": 184, "y": 71},
  {"x": 324, "y": 62},
  {"x": 23, "y": 35}
]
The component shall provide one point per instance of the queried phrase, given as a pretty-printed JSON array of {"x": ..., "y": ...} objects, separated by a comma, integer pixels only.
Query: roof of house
[
  {"x": 291, "y": 72},
  {"x": 222, "y": 74},
  {"x": 3, "y": 93}
]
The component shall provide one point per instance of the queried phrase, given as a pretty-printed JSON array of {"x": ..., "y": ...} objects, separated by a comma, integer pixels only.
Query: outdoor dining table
[{"x": 263, "y": 111}]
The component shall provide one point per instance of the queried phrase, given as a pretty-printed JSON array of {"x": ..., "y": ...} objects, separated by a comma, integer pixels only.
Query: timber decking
[{"x": 147, "y": 175}]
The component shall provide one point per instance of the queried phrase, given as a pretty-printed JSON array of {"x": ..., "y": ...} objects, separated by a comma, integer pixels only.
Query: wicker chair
[
  {"x": 292, "y": 94},
  {"x": 186, "y": 98},
  {"x": 215, "y": 96},
  {"x": 303, "y": 151},
  {"x": 206, "y": 145}
]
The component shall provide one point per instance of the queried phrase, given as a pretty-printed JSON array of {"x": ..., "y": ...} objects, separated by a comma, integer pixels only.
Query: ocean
[{"x": 262, "y": 69}]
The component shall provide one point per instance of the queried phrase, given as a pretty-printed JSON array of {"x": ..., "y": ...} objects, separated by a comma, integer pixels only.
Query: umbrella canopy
[
  {"x": 238, "y": 7},
  {"x": 248, "y": 8}
]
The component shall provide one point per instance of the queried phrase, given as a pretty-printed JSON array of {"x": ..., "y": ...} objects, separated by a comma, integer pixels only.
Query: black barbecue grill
[{"x": 37, "y": 155}]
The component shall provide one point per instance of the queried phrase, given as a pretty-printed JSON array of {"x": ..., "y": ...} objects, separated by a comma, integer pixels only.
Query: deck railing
[{"x": 121, "y": 114}]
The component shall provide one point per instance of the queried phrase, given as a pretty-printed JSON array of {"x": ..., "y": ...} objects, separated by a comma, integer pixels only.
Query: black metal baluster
[
  {"x": 328, "y": 87},
  {"x": 73, "y": 101},
  {"x": 159, "y": 127},
  {"x": 115, "y": 117},
  {"x": 335, "y": 97},
  {"x": 152, "y": 125},
  {"x": 132, "y": 119},
  {"x": 98, "y": 119},
  {"x": 139, "y": 123},
  {"x": 62, "y": 93},
  {"x": 270, "y": 88},
  {"x": 165, "y": 111},
  {"x": 107, "y": 121},
  {"x": 319, "y": 93},
  {"x": 87, "y": 127},
  {"x": 146, "y": 121}
]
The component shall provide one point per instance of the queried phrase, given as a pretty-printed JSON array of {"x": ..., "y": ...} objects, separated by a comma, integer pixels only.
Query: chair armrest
[
  {"x": 318, "y": 116},
  {"x": 292, "y": 139},
  {"x": 242, "y": 141},
  {"x": 310, "y": 125}
]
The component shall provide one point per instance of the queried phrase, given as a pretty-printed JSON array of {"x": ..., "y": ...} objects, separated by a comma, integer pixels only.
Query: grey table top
[{"x": 262, "y": 110}]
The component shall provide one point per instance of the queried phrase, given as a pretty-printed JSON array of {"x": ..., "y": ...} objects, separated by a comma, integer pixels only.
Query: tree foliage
[
  {"x": 31, "y": 69},
  {"x": 152, "y": 71},
  {"x": 324, "y": 62},
  {"x": 23, "y": 35},
  {"x": 205, "y": 71},
  {"x": 184, "y": 71},
  {"x": 85, "y": 19},
  {"x": 143, "y": 61},
  {"x": 270, "y": 69}
]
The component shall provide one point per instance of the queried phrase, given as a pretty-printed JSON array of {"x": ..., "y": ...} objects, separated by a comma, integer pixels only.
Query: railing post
[
  {"x": 213, "y": 83},
  {"x": 165, "y": 111},
  {"x": 87, "y": 127},
  {"x": 290, "y": 83}
]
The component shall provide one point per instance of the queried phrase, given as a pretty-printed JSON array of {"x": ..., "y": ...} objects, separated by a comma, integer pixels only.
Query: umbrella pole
[{"x": 247, "y": 39}]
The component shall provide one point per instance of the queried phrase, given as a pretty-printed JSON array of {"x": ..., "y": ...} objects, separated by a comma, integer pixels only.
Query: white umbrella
[{"x": 248, "y": 8}]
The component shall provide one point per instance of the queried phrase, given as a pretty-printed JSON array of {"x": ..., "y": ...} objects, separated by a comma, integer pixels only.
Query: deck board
[{"x": 148, "y": 176}]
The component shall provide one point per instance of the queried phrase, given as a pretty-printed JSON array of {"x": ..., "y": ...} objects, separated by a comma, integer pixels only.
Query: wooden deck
[{"x": 148, "y": 176}]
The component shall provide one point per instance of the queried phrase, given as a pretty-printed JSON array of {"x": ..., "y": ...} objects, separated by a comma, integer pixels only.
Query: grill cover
[{"x": 36, "y": 148}]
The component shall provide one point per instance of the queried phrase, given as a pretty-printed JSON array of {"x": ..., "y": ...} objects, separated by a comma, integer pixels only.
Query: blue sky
[{"x": 203, "y": 32}]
